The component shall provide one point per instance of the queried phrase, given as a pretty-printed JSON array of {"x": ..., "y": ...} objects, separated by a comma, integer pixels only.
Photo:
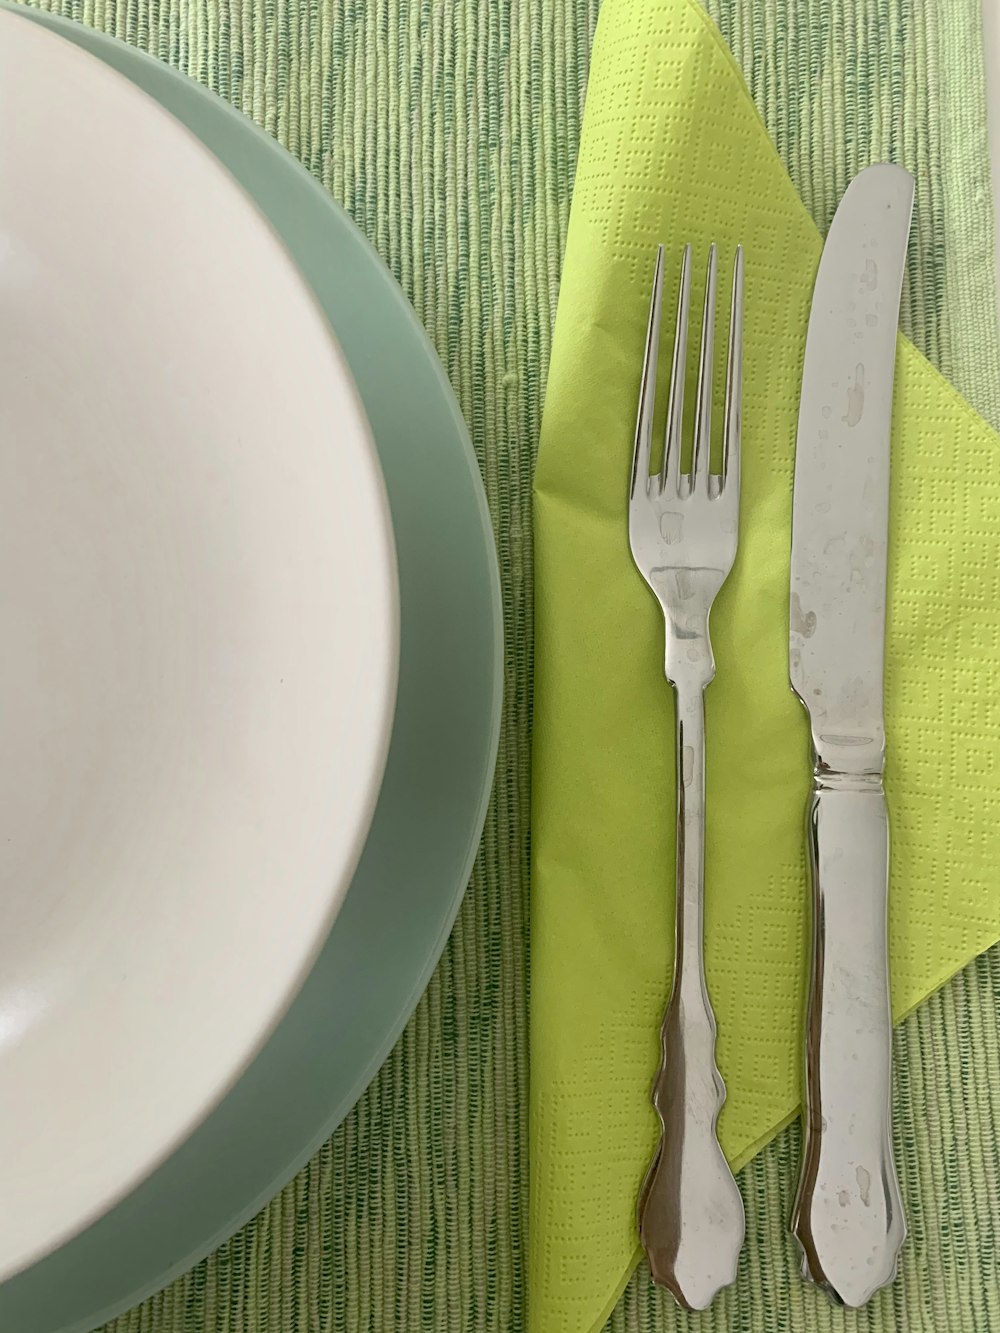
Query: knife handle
[{"x": 848, "y": 1215}]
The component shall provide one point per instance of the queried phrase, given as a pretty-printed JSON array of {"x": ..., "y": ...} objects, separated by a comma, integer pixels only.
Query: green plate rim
[{"x": 140, "y": 1246}]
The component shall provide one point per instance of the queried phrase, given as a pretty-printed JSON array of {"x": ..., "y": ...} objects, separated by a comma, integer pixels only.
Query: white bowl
[{"x": 199, "y": 624}]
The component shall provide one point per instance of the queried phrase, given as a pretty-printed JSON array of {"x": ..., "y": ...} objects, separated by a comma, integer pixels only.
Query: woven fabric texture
[{"x": 448, "y": 128}]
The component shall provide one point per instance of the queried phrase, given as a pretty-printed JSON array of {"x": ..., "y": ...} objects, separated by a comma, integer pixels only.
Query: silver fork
[{"x": 683, "y": 531}]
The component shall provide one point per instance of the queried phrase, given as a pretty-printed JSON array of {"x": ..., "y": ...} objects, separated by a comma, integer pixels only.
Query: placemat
[{"x": 448, "y": 128}]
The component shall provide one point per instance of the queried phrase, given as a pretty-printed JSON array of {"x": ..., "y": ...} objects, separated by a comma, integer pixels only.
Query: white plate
[{"x": 199, "y": 618}]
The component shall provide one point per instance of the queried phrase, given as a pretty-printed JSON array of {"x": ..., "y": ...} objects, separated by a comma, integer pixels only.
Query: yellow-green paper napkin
[{"x": 673, "y": 150}]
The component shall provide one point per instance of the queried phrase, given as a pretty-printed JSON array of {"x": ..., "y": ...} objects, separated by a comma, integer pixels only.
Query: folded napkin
[{"x": 673, "y": 150}]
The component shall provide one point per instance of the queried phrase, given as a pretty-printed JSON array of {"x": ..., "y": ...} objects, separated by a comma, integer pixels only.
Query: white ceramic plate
[{"x": 199, "y": 620}]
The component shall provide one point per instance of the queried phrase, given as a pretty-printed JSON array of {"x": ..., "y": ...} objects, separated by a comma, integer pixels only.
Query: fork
[{"x": 683, "y": 531}]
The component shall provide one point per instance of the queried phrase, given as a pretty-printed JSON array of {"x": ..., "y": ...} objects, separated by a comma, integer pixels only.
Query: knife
[{"x": 848, "y": 1215}]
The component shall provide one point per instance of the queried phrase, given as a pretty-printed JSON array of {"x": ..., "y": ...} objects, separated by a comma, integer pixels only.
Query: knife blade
[{"x": 848, "y": 1215}]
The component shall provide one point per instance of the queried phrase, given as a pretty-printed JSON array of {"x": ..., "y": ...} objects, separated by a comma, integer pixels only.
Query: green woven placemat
[{"x": 449, "y": 128}]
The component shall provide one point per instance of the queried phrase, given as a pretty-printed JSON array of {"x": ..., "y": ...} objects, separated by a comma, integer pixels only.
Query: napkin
[{"x": 673, "y": 150}]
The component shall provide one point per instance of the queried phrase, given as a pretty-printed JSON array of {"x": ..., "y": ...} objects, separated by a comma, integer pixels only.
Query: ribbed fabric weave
[{"x": 448, "y": 128}]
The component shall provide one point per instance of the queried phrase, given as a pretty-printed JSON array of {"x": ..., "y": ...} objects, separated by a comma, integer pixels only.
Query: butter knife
[{"x": 848, "y": 1215}]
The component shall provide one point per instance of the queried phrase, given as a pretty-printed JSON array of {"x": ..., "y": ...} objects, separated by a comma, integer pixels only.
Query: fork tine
[
  {"x": 670, "y": 472},
  {"x": 703, "y": 406},
  {"x": 647, "y": 387},
  {"x": 734, "y": 382}
]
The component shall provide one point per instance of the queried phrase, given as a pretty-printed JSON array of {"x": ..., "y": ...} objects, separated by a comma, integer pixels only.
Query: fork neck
[
  {"x": 689, "y": 663},
  {"x": 689, "y": 928}
]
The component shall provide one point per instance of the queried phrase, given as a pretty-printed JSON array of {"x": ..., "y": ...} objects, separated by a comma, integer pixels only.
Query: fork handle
[
  {"x": 691, "y": 1219},
  {"x": 848, "y": 1215}
]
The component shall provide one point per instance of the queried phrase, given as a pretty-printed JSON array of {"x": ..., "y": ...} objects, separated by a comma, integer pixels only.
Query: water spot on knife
[
  {"x": 823, "y": 507},
  {"x": 834, "y": 738},
  {"x": 864, "y": 1185},
  {"x": 856, "y": 397},
  {"x": 827, "y": 412},
  {"x": 871, "y": 320},
  {"x": 869, "y": 279},
  {"x": 869, "y": 492},
  {"x": 802, "y": 622}
]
